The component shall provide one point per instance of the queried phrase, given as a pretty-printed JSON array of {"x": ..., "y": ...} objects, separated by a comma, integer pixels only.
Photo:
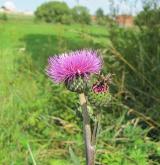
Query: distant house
[
  {"x": 93, "y": 18},
  {"x": 125, "y": 20},
  {"x": 3, "y": 9},
  {"x": 12, "y": 10},
  {"x": 8, "y": 7}
]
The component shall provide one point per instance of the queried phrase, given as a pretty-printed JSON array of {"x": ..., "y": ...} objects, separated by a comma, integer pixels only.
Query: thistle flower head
[{"x": 69, "y": 66}]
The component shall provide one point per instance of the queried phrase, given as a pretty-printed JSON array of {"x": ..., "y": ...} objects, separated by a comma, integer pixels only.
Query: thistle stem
[{"x": 89, "y": 149}]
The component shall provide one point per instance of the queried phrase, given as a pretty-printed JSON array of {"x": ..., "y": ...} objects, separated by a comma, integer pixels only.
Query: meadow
[
  {"x": 38, "y": 119},
  {"x": 27, "y": 94}
]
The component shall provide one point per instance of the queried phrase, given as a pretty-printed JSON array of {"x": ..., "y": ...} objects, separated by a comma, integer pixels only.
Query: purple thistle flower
[{"x": 68, "y": 66}]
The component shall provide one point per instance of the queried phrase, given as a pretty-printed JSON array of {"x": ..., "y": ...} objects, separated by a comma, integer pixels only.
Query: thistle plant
[{"x": 76, "y": 71}]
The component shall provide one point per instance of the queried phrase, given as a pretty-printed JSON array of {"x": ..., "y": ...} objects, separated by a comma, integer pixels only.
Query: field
[
  {"x": 26, "y": 93},
  {"x": 38, "y": 122}
]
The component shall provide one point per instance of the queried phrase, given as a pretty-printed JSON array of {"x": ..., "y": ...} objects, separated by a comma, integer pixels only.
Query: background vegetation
[
  {"x": 60, "y": 12},
  {"x": 39, "y": 121}
]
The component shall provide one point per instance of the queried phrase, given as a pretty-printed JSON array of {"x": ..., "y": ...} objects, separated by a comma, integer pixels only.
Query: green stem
[{"x": 89, "y": 149}]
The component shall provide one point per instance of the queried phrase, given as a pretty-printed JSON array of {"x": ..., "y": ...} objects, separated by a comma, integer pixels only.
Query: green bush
[
  {"x": 3, "y": 17},
  {"x": 81, "y": 15},
  {"x": 54, "y": 12},
  {"x": 66, "y": 19},
  {"x": 148, "y": 17}
]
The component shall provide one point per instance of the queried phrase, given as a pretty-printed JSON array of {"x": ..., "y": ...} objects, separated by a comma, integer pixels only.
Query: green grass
[
  {"x": 29, "y": 100},
  {"x": 42, "y": 40}
]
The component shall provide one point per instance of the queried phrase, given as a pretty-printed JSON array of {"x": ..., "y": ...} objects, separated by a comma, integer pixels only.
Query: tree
[
  {"x": 148, "y": 17},
  {"x": 54, "y": 12},
  {"x": 81, "y": 15},
  {"x": 101, "y": 19},
  {"x": 99, "y": 13}
]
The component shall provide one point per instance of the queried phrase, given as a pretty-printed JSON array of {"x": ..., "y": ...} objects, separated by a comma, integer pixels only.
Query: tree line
[{"x": 59, "y": 12}]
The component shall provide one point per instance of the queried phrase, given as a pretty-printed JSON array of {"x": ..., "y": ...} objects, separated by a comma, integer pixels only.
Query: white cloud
[{"x": 9, "y": 5}]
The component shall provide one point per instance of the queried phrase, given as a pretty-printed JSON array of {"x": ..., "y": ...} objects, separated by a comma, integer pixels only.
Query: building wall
[{"x": 125, "y": 20}]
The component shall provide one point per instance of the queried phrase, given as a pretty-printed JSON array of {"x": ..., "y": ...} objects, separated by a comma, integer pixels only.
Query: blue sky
[{"x": 92, "y": 5}]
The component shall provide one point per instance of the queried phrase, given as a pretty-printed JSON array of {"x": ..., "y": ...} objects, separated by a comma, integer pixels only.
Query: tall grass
[
  {"x": 138, "y": 55},
  {"x": 27, "y": 110}
]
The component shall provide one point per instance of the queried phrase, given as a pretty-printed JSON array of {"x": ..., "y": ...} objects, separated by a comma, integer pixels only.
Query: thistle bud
[{"x": 99, "y": 94}]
